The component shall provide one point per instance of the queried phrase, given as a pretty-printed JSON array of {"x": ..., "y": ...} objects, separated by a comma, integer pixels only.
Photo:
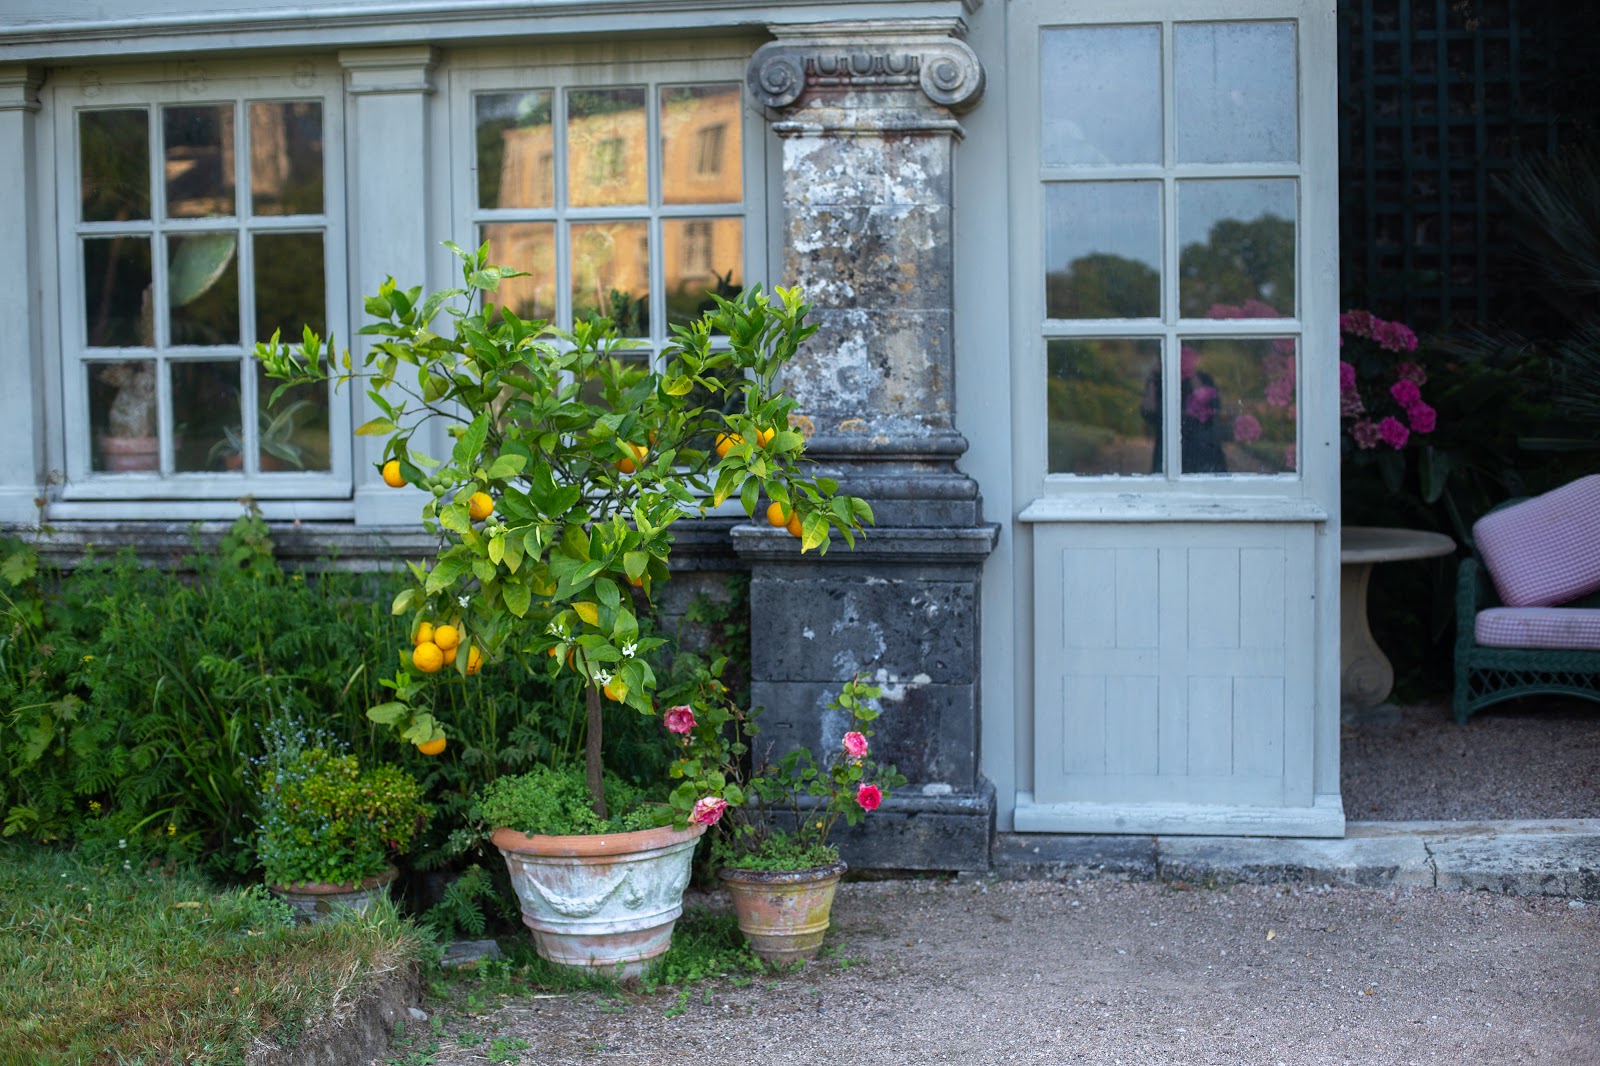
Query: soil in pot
[{"x": 784, "y": 914}]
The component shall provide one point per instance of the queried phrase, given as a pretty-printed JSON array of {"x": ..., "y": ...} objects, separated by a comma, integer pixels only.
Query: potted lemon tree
[{"x": 554, "y": 510}]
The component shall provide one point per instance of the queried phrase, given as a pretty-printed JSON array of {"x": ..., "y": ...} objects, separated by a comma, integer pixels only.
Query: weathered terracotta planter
[
  {"x": 316, "y": 902},
  {"x": 603, "y": 903},
  {"x": 783, "y": 914}
]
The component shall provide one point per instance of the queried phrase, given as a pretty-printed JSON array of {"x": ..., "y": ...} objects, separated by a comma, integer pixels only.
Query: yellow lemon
[
  {"x": 474, "y": 660},
  {"x": 793, "y": 525},
  {"x": 391, "y": 474},
  {"x": 446, "y": 637},
  {"x": 423, "y": 634},
  {"x": 431, "y": 747},
  {"x": 765, "y": 436},
  {"x": 726, "y": 442},
  {"x": 427, "y": 657},
  {"x": 480, "y": 505},
  {"x": 776, "y": 516}
]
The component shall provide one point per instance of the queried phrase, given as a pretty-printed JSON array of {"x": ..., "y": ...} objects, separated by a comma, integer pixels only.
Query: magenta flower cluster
[{"x": 1369, "y": 426}]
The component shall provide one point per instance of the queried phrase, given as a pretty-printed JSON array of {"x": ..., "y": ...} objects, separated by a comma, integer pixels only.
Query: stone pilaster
[
  {"x": 21, "y": 302},
  {"x": 867, "y": 113}
]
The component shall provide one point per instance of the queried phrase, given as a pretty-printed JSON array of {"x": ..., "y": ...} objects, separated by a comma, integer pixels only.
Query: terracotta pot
[
  {"x": 318, "y": 902},
  {"x": 123, "y": 454},
  {"x": 604, "y": 903},
  {"x": 784, "y": 913}
]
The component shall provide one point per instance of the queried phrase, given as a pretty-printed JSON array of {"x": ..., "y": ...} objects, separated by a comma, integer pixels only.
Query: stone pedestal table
[{"x": 1365, "y": 673}]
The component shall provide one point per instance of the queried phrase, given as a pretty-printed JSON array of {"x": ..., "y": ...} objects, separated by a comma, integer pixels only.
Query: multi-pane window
[
  {"x": 198, "y": 227},
  {"x": 619, "y": 200},
  {"x": 1170, "y": 161}
]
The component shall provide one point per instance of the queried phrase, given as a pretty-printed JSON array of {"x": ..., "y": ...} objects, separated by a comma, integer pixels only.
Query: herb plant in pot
[
  {"x": 572, "y": 459},
  {"x": 328, "y": 829},
  {"x": 775, "y": 857}
]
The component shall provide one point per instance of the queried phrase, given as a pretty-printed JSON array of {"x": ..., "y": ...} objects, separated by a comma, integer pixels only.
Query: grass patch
[{"x": 102, "y": 963}]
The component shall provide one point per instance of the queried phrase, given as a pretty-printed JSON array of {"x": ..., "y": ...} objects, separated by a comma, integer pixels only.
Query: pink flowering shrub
[
  {"x": 1380, "y": 391},
  {"x": 680, "y": 719}
]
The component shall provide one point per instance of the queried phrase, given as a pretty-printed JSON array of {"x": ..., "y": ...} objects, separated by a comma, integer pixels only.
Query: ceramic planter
[
  {"x": 314, "y": 902},
  {"x": 783, "y": 914},
  {"x": 604, "y": 903}
]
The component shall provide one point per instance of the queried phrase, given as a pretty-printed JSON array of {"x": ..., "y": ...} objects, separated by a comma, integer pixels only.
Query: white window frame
[
  {"x": 90, "y": 494},
  {"x": 1316, "y": 287}
]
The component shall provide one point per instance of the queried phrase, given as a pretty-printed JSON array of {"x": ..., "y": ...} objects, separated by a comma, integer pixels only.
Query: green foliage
[
  {"x": 781, "y": 851},
  {"x": 554, "y": 801},
  {"x": 326, "y": 820},
  {"x": 465, "y": 906}
]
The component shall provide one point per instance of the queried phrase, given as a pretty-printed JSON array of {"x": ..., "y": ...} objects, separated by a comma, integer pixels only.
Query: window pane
[
  {"x": 1238, "y": 249},
  {"x": 292, "y": 434},
  {"x": 122, "y": 416},
  {"x": 700, "y": 256},
  {"x": 611, "y": 274},
  {"x": 1104, "y": 403},
  {"x": 203, "y": 288},
  {"x": 1239, "y": 406},
  {"x": 205, "y": 415},
  {"x": 1103, "y": 250},
  {"x": 114, "y": 149},
  {"x": 116, "y": 292},
  {"x": 286, "y": 158},
  {"x": 291, "y": 287},
  {"x": 198, "y": 160},
  {"x": 529, "y": 246},
  {"x": 516, "y": 150},
  {"x": 1235, "y": 92},
  {"x": 606, "y": 163},
  {"x": 1101, "y": 90},
  {"x": 700, "y": 155}
]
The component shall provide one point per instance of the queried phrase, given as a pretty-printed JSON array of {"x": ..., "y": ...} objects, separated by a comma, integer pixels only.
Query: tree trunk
[{"x": 592, "y": 764}]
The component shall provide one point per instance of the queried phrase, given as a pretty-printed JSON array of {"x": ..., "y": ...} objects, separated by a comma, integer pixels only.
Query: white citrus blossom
[{"x": 628, "y": 650}]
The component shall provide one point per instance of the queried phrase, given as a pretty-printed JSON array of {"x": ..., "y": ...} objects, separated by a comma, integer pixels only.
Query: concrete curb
[{"x": 1555, "y": 858}]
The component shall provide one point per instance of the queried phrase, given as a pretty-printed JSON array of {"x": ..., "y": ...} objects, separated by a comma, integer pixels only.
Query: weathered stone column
[
  {"x": 21, "y": 300},
  {"x": 867, "y": 114}
]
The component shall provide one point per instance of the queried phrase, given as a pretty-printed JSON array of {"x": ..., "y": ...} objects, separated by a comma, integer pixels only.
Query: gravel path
[
  {"x": 1535, "y": 758},
  {"x": 1112, "y": 972}
]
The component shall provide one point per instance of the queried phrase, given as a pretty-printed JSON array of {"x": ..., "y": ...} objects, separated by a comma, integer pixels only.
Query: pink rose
[
  {"x": 680, "y": 719},
  {"x": 1246, "y": 429},
  {"x": 1406, "y": 393},
  {"x": 869, "y": 796},
  {"x": 1422, "y": 417},
  {"x": 707, "y": 810},
  {"x": 855, "y": 745},
  {"x": 1394, "y": 433},
  {"x": 1365, "y": 434}
]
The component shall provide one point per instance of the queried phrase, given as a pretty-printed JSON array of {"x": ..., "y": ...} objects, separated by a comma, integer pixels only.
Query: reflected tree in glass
[
  {"x": 114, "y": 161},
  {"x": 1103, "y": 405},
  {"x": 516, "y": 149},
  {"x": 611, "y": 274},
  {"x": 286, "y": 158},
  {"x": 1237, "y": 247}
]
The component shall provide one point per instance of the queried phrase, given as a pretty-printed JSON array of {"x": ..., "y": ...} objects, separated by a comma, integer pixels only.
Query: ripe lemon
[
  {"x": 474, "y": 659},
  {"x": 776, "y": 515},
  {"x": 480, "y": 505},
  {"x": 793, "y": 525},
  {"x": 637, "y": 582},
  {"x": 626, "y": 466},
  {"x": 446, "y": 637},
  {"x": 431, "y": 747},
  {"x": 427, "y": 657},
  {"x": 726, "y": 442},
  {"x": 639, "y": 451},
  {"x": 423, "y": 634},
  {"x": 615, "y": 690},
  {"x": 765, "y": 436},
  {"x": 391, "y": 474}
]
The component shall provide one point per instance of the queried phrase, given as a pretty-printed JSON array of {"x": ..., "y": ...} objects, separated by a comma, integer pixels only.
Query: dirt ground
[{"x": 1112, "y": 972}]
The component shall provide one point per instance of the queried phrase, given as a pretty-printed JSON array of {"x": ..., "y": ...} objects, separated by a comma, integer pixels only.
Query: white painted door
[{"x": 1174, "y": 242}]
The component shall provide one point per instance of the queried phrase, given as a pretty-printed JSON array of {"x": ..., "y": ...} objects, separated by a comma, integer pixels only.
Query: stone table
[{"x": 1365, "y": 673}]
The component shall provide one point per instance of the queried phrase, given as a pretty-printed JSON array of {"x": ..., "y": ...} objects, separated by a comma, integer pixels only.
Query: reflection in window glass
[
  {"x": 286, "y": 158},
  {"x": 205, "y": 420},
  {"x": 1103, "y": 249},
  {"x": 529, "y": 246},
  {"x": 516, "y": 150},
  {"x": 291, "y": 434},
  {"x": 700, "y": 256},
  {"x": 123, "y": 417},
  {"x": 197, "y": 160},
  {"x": 1235, "y": 92},
  {"x": 1101, "y": 89},
  {"x": 290, "y": 285},
  {"x": 1237, "y": 248},
  {"x": 116, "y": 292},
  {"x": 114, "y": 165},
  {"x": 606, "y": 162},
  {"x": 1104, "y": 406},
  {"x": 203, "y": 288},
  {"x": 1239, "y": 398},
  {"x": 611, "y": 274},
  {"x": 700, "y": 154}
]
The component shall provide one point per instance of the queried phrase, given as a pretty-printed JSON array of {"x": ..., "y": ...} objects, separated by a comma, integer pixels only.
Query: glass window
[
  {"x": 1235, "y": 90},
  {"x": 1103, "y": 249},
  {"x": 1102, "y": 94},
  {"x": 1104, "y": 405},
  {"x": 1237, "y": 241}
]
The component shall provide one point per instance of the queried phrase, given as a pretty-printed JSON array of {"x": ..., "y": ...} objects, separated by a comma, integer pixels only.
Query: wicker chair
[{"x": 1528, "y": 605}]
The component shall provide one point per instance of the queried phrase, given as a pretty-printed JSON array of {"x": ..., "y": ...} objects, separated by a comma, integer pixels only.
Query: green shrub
[{"x": 554, "y": 801}]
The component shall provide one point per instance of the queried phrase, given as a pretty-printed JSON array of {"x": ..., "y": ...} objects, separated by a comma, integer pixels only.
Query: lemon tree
[{"x": 570, "y": 464}]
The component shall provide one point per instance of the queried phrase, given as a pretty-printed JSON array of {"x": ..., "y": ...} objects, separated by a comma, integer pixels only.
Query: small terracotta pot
[
  {"x": 123, "y": 454},
  {"x": 605, "y": 903},
  {"x": 783, "y": 914},
  {"x": 318, "y": 902}
]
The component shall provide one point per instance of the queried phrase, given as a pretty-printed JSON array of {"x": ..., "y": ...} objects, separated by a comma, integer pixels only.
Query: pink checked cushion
[
  {"x": 1546, "y": 550},
  {"x": 1538, "y": 627}
]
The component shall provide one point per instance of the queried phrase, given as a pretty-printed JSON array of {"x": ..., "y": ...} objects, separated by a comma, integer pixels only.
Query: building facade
[{"x": 1074, "y": 267}]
